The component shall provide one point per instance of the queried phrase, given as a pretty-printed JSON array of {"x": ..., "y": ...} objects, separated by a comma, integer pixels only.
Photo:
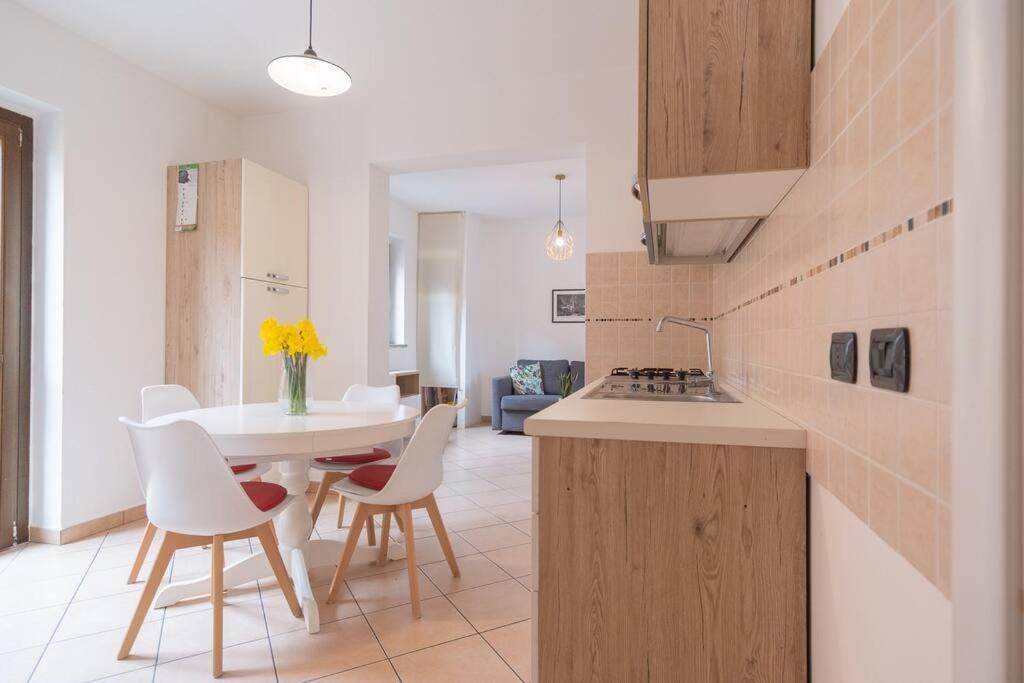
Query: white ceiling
[
  {"x": 219, "y": 49},
  {"x": 511, "y": 191}
]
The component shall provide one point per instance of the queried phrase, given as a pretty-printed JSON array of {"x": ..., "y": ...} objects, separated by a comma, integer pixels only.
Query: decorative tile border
[{"x": 915, "y": 222}]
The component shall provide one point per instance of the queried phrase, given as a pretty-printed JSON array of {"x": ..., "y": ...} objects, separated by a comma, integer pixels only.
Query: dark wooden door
[{"x": 15, "y": 311}]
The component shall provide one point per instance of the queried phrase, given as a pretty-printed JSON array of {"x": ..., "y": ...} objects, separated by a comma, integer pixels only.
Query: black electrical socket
[
  {"x": 842, "y": 356},
  {"x": 889, "y": 354}
]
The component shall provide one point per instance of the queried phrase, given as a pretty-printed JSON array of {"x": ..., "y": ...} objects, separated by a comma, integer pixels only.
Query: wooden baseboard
[{"x": 85, "y": 529}]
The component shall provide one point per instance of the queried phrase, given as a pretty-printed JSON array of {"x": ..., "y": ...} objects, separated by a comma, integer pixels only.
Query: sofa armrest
[{"x": 500, "y": 387}]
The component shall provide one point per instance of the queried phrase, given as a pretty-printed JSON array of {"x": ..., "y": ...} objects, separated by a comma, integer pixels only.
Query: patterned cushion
[{"x": 526, "y": 379}]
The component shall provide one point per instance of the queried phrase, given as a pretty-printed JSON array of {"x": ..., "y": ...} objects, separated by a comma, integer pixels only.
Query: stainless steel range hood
[{"x": 708, "y": 219}]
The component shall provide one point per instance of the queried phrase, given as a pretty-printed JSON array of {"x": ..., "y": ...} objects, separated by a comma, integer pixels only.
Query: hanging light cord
[
  {"x": 559, "y": 201},
  {"x": 310, "y": 24}
]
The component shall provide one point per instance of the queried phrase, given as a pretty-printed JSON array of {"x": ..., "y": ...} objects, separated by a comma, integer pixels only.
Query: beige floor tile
[
  {"x": 15, "y": 598},
  {"x": 471, "y": 486},
  {"x": 400, "y": 632},
  {"x": 527, "y": 581},
  {"x": 450, "y": 504},
  {"x": 512, "y": 642},
  {"x": 191, "y": 634},
  {"x": 474, "y": 570},
  {"x": 95, "y": 656},
  {"x": 469, "y": 659},
  {"x": 381, "y": 672},
  {"x": 524, "y": 492},
  {"x": 136, "y": 676},
  {"x": 495, "y": 605},
  {"x": 513, "y": 512},
  {"x": 121, "y": 555},
  {"x": 381, "y": 591},
  {"x": 511, "y": 481},
  {"x": 281, "y": 620},
  {"x": 28, "y": 629},
  {"x": 428, "y": 550},
  {"x": 29, "y": 567},
  {"x": 250, "y": 662},
  {"x": 494, "y": 537},
  {"x": 102, "y": 614},
  {"x": 469, "y": 519},
  {"x": 128, "y": 533},
  {"x": 98, "y": 583},
  {"x": 526, "y": 526},
  {"x": 339, "y": 646},
  {"x": 517, "y": 560},
  {"x": 17, "y": 666},
  {"x": 459, "y": 474},
  {"x": 489, "y": 499}
]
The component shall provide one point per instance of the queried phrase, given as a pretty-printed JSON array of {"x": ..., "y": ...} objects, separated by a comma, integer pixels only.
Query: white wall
[
  {"x": 402, "y": 225},
  {"x": 108, "y": 130},
  {"x": 582, "y": 107},
  {"x": 873, "y": 616},
  {"x": 512, "y": 317}
]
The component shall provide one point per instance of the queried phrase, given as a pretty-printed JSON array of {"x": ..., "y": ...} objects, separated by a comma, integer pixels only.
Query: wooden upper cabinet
[
  {"x": 274, "y": 232},
  {"x": 724, "y": 86}
]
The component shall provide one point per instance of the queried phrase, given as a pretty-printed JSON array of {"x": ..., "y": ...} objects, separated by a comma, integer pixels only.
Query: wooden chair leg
[
  {"x": 341, "y": 511},
  {"x": 217, "y": 599},
  {"x": 321, "y": 495},
  {"x": 140, "y": 557},
  {"x": 385, "y": 539},
  {"x": 398, "y": 522},
  {"x": 156, "y": 575},
  {"x": 269, "y": 542},
  {"x": 354, "y": 532},
  {"x": 405, "y": 512},
  {"x": 371, "y": 532},
  {"x": 442, "y": 534}
]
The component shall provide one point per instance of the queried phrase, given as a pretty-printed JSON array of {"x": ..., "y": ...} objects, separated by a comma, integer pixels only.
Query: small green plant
[{"x": 567, "y": 379}]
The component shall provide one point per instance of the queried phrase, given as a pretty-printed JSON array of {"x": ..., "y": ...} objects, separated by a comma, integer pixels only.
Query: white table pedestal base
[{"x": 300, "y": 555}]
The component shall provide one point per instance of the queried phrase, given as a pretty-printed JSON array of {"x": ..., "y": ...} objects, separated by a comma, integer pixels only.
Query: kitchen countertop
[{"x": 747, "y": 423}]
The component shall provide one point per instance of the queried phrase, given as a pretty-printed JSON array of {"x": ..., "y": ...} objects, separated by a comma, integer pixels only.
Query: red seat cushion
[
  {"x": 372, "y": 476},
  {"x": 242, "y": 469},
  {"x": 356, "y": 459},
  {"x": 263, "y": 494}
]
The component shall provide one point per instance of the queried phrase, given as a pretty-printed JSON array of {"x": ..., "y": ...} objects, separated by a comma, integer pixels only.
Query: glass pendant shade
[
  {"x": 307, "y": 74},
  {"x": 559, "y": 243}
]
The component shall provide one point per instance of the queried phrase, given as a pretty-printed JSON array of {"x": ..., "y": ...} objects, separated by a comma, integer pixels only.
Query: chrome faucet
[{"x": 713, "y": 386}]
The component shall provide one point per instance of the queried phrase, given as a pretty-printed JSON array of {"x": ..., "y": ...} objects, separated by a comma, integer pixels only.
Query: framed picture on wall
[{"x": 568, "y": 305}]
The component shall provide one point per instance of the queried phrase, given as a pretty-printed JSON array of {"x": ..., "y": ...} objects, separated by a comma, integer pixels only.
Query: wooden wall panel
[
  {"x": 203, "y": 287},
  {"x": 670, "y": 562},
  {"x": 726, "y": 87}
]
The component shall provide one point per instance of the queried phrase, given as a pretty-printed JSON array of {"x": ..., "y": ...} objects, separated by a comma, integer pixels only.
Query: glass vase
[{"x": 293, "y": 394}]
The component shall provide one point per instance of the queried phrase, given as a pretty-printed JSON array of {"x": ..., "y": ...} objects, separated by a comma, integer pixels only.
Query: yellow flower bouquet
[{"x": 296, "y": 344}]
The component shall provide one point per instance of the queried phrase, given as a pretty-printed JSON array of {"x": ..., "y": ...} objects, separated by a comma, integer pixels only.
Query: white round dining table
[{"x": 261, "y": 433}]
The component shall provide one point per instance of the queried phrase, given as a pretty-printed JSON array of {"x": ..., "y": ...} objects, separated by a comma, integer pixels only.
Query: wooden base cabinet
[{"x": 669, "y": 562}]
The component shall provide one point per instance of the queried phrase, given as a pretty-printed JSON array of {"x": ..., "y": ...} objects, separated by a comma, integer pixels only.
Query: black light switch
[
  {"x": 842, "y": 356},
  {"x": 889, "y": 353}
]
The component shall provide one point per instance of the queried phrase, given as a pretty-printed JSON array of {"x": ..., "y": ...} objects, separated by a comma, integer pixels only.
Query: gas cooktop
[{"x": 660, "y": 384}]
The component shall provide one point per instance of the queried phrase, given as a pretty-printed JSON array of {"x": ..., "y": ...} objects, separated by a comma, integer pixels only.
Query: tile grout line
[
  {"x": 67, "y": 606},
  {"x": 477, "y": 631}
]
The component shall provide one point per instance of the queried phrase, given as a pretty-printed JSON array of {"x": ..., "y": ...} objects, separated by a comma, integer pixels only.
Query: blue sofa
[{"x": 509, "y": 411}]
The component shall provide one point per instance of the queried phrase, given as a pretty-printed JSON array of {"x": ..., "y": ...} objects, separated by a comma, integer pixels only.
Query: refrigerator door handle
[
  {"x": 277, "y": 290},
  {"x": 281, "y": 277}
]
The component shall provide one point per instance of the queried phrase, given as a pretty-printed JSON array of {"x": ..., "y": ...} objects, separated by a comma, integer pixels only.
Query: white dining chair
[
  {"x": 163, "y": 399},
  {"x": 335, "y": 468},
  {"x": 399, "y": 489},
  {"x": 193, "y": 497}
]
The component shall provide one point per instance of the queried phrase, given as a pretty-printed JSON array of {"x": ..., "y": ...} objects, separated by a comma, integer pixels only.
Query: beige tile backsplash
[{"x": 863, "y": 241}]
